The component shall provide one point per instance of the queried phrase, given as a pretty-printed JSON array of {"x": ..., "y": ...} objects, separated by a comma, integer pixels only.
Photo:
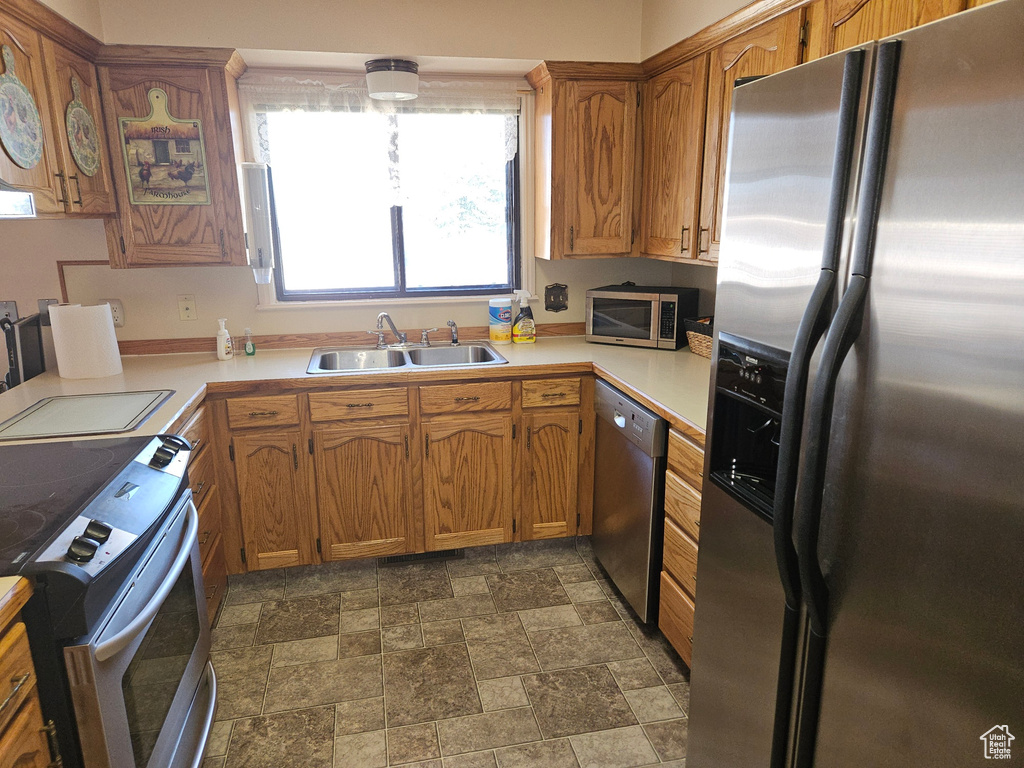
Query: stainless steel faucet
[
  {"x": 385, "y": 317},
  {"x": 455, "y": 333}
]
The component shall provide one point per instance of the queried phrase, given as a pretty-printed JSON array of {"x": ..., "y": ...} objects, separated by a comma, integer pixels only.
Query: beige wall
[
  {"x": 84, "y": 13},
  {"x": 524, "y": 29},
  {"x": 666, "y": 22},
  {"x": 29, "y": 272}
]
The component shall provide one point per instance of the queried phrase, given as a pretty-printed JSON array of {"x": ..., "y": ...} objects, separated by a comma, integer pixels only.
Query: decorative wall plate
[
  {"x": 164, "y": 157},
  {"x": 21, "y": 130},
  {"x": 82, "y": 135}
]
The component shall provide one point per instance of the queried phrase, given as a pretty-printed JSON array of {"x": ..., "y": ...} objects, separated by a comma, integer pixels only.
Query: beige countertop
[{"x": 676, "y": 384}]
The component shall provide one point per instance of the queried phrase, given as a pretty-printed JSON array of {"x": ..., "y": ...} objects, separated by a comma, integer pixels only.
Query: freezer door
[
  {"x": 779, "y": 179},
  {"x": 922, "y": 537}
]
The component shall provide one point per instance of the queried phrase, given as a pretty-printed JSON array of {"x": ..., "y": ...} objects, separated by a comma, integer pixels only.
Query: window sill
[{"x": 271, "y": 304}]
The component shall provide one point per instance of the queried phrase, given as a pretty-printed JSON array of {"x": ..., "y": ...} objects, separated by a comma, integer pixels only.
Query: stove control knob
[
  {"x": 97, "y": 530},
  {"x": 82, "y": 550},
  {"x": 162, "y": 457}
]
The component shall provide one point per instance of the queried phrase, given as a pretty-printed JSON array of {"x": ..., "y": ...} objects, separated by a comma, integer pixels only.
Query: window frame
[{"x": 514, "y": 254}]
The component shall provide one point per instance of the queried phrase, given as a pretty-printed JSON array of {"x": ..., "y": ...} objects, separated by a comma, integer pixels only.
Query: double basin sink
[{"x": 468, "y": 354}]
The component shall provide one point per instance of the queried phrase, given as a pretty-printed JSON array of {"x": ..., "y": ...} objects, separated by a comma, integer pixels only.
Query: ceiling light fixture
[{"x": 392, "y": 79}]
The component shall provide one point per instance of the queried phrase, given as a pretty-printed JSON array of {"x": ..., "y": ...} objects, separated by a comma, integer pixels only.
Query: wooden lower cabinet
[
  {"x": 23, "y": 741},
  {"x": 550, "y": 474},
  {"x": 274, "y": 500},
  {"x": 363, "y": 490},
  {"x": 675, "y": 617},
  {"x": 215, "y": 579},
  {"x": 467, "y": 480}
]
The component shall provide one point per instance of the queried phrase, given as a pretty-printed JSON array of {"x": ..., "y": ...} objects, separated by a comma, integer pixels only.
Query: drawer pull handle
[
  {"x": 196, "y": 444},
  {"x": 199, "y": 488},
  {"x": 18, "y": 683},
  {"x": 359, "y": 405},
  {"x": 471, "y": 399},
  {"x": 205, "y": 538},
  {"x": 700, "y": 474},
  {"x": 263, "y": 413},
  {"x": 689, "y": 639},
  {"x": 697, "y": 523},
  {"x": 553, "y": 394},
  {"x": 212, "y": 591}
]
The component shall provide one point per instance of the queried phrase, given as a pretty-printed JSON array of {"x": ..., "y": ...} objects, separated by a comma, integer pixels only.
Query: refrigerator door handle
[
  {"x": 815, "y": 322},
  {"x": 841, "y": 336}
]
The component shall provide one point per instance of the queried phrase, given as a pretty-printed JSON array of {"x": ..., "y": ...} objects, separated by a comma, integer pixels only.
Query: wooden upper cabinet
[
  {"x": 274, "y": 500},
  {"x": 673, "y": 130},
  {"x": 551, "y": 473},
  {"x": 764, "y": 50},
  {"x": 467, "y": 480},
  {"x": 835, "y": 25},
  {"x": 363, "y": 490},
  {"x": 586, "y": 159},
  {"x": 89, "y": 185},
  {"x": 178, "y": 196},
  {"x": 599, "y": 162},
  {"x": 43, "y": 178}
]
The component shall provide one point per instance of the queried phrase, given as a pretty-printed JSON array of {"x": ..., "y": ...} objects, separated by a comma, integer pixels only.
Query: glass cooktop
[{"x": 44, "y": 486}]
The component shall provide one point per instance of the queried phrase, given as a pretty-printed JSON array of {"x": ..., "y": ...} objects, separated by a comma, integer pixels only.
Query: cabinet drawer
[
  {"x": 542, "y": 392},
  {"x": 685, "y": 459},
  {"x": 359, "y": 404},
  {"x": 680, "y": 557},
  {"x": 277, "y": 411},
  {"x": 200, "y": 476},
  {"x": 452, "y": 398},
  {"x": 17, "y": 676},
  {"x": 210, "y": 523},
  {"x": 23, "y": 744},
  {"x": 682, "y": 504},
  {"x": 215, "y": 579},
  {"x": 675, "y": 617},
  {"x": 197, "y": 430}
]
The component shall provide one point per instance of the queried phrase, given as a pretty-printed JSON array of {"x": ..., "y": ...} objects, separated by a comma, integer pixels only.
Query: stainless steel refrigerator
[{"x": 860, "y": 596}]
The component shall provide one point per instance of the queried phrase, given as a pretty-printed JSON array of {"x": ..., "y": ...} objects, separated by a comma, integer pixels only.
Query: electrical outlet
[
  {"x": 187, "y": 307},
  {"x": 117, "y": 310}
]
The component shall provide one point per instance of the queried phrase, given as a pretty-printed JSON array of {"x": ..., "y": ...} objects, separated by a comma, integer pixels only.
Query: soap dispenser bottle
[
  {"x": 225, "y": 350},
  {"x": 524, "y": 329}
]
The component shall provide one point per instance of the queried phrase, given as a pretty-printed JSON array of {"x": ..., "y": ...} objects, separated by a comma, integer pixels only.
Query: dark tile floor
[{"x": 517, "y": 655}]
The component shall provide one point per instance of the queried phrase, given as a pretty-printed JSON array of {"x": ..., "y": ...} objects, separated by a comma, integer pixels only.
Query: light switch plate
[{"x": 9, "y": 309}]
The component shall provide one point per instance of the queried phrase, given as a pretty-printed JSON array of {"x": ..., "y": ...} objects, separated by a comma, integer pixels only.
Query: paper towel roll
[{"x": 84, "y": 340}]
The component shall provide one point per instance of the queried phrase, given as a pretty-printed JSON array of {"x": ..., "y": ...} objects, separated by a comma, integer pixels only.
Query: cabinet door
[
  {"x": 467, "y": 481},
  {"x": 674, "y": 110},
  {"x": 599, "y": 163},
  {"x": 154, "y": 233},
  {"x": 43, "y": 178},
  {"x": 551, "y": 474},
  {"x": 836, "y": 25},
  {"x": 274, "y": 499},
  {"x": 90, "y": 188},
  {"x": 23, "y": 743},
  {"x": 768, "y": 48},
  {"x": 362, "y": 490}
]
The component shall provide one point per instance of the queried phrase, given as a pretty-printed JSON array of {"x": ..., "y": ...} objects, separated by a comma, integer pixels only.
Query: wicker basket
[{"x": 698, "y": 335}]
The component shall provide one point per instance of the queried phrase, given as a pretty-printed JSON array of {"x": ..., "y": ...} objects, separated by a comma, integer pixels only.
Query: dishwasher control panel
[{"x": 642, "y": 427}]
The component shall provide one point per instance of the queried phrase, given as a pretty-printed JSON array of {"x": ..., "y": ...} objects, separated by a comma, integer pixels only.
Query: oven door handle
[{"x": 118, "y": 642}]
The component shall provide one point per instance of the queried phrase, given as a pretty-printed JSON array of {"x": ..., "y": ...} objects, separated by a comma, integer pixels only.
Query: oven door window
[
  {"x": 155, "y": 671},
  {"x": 622, "y": 318}
]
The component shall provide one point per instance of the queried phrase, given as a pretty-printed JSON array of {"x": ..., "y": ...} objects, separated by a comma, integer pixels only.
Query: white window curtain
[{"x": 261, "y": 92}]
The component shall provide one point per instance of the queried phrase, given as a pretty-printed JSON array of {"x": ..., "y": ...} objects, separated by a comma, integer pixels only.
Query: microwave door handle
[{"x": 118, "y": 642}]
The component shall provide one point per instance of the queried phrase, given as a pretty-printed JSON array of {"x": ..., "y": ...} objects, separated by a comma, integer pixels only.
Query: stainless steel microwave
[{"x": 640, "y": 315}]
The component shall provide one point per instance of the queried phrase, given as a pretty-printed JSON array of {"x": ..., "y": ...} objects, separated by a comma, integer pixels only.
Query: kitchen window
[{"x": 389, "y": 199}]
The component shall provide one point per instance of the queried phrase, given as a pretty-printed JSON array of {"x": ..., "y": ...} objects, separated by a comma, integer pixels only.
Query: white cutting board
[{"x": 71, "y": 415}]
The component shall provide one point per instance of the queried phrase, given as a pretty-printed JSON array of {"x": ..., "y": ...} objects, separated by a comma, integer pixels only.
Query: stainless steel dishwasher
[{"x": 629, "y": 488}]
